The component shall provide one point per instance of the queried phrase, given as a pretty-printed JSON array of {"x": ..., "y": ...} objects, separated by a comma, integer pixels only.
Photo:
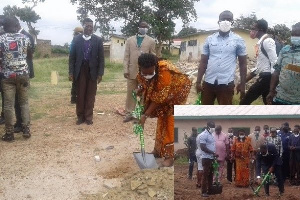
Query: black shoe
[
  {"x": 26, "y": 132},
  {"x": 2, "y": 120},
  {"x": 89, "y": 122},
  {"x": 128, "y": 118},
  {"x": 18, "y": 129},
  {"x": 79, "y": 121},
  {"x": 8, "y": 137}
]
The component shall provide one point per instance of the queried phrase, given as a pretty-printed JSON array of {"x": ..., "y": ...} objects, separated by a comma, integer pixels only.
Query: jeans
[{"x": 12, "y": 87}]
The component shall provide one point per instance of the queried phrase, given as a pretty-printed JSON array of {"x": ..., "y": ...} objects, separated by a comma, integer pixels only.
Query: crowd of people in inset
[
  {"x": 16, "y": 49},
  {"x": 247, "y": 157},
  {"x": 277, "y": 66}
]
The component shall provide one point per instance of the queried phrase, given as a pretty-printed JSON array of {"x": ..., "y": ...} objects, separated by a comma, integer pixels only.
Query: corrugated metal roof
[{"x": 235, "y": 112}]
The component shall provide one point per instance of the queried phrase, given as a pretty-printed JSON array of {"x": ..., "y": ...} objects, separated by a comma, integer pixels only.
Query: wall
[
  {"x": 117, "y": 49},
  {"x": 43, "y": 48},
  {"x": 185, "y": 126},
  {"x": 201, "y": 37}
]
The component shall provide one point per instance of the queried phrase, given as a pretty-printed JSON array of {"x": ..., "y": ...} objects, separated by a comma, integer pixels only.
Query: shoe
[
  {"x": 128, "y": 118},
  {"x": 73, "y": 100},
  {"x": 8, "y": 137},
  {"x": 205, "y": 195},
  {"x": 79, "y": 121},
  {"x": 26, "y": 132},
  {"x": 89, "y": 122},
  {"x": 2, "y": 120},
  {"x": 18, "y": 129}
]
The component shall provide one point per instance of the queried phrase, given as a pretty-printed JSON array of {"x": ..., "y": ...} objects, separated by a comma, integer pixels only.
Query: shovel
[
  {"x": 266, "y": 179},
  {"x": 143, "y": 159}
]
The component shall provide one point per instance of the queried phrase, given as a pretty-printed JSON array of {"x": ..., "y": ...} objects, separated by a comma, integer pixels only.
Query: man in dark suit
[
  {"x": 269, "y": 161},
  {"x": 18, "y": 125},
  {"x": 86, "y": 67}
]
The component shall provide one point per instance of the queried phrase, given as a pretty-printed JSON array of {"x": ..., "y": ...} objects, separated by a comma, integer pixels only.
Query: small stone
[
  {"x": 109, "y": 147},
  {"x": 134, "y": 184},
  {"x": 151, "y": 192},
  {"x": 97, "y": 158}
]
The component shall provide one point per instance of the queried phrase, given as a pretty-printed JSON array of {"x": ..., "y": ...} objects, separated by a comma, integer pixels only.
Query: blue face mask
[{"x": 295, "y": 40}]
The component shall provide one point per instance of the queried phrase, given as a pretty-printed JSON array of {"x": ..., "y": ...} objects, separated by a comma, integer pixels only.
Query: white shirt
[{"x": 263, "y": 63}]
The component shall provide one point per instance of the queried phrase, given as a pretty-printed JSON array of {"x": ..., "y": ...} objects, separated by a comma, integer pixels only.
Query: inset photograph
[{"x": 227, "y": 152}]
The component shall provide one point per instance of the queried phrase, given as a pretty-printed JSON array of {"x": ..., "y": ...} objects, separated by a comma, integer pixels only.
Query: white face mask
[
  {"x": 230, "y": 134},
  {"x": 225, "y": 26},
  {"x": 86, "y": 37},
  {"x": 296, "y": 134},
  {"x": 256, "y": 132},
  {"x": 149, "y": 76},
  {"x": 242, "y": 136},
  {"x": 212, "y": 130},
  {"x": 143, "y": 31}
]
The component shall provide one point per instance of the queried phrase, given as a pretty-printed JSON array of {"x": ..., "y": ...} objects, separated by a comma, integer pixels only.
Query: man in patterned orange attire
[
  {"x": 162, "y": 86},
  {"x": 242, "y": 152}
]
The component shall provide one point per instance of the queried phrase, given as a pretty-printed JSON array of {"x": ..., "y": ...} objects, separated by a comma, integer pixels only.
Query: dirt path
[
  {"x": 58, "y": 161},
  {"x": 186, "y": 189}
]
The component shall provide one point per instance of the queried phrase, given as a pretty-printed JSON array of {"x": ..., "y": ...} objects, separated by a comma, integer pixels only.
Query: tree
[
  {"x": 26, "y": 14},
  {"x": 159, "y": 14},
  {"x": 186, "y": 31},
  {"x": 245, "y": 22},
  {"x": 281, "y": 32}
]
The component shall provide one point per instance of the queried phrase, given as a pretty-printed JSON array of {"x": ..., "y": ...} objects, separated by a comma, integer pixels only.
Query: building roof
[
  {"x": 213, "y": 31},
  {"x": 236, "y": 112},
  {"x": 119, "y": 36}
]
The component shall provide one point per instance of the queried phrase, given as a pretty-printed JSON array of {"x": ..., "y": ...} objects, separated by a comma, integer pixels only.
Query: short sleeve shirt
[
  {"x": 208, "y": 139},
  {"x": 288, "y": 64},
  {"x": 14, "y": 49},
  {"x": 222, "y": 53}
]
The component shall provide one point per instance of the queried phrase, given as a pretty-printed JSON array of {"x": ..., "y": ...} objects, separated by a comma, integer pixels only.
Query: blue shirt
[
  {"x": 288, "y": 64},
  {"x": 209, "y": 140},
  {"x": 222, "y": 53}
]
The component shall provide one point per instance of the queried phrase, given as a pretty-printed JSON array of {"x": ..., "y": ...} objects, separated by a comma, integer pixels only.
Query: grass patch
[{"x": 181, "y": 160}]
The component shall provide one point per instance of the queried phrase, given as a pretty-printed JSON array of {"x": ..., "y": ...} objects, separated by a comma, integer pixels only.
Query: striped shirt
[{"x": 222, "y": 53}]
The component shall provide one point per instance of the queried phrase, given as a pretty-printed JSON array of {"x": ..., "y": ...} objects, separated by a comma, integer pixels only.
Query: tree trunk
[{"x": 158, "y": 49}]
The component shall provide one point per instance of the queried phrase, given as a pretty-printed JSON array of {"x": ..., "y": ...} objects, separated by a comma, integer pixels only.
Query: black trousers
[
  {"x": 73, "y": 91},
  {"x": 192, "y": 160},
  {"x": 208, "y": 172},
  {"x": 285, "y": 165},
  {"x": 279, "y": 178},
  {"x": 260, "y": 88},
  {"x": 230, "y": 167}
]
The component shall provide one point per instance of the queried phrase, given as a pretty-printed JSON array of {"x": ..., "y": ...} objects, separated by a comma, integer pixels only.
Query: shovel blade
[{"x": 145, "y": 162}]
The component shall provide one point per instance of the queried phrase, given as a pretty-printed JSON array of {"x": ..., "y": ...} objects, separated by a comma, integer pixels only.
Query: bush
[{"x": 60, "y": 50}]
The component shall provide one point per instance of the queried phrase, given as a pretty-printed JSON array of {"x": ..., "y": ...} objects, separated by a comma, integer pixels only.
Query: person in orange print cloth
[{"x": 162, "y": 86}]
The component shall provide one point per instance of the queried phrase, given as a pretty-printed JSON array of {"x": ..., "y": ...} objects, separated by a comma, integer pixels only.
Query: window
[
  {"x": 201, "y": 129},
  {"x": 192, "y": 43},
  {"x": 183, "y": 46},
  {"x": 118, "y": 41},
  {"x": 176, "y": 135}
]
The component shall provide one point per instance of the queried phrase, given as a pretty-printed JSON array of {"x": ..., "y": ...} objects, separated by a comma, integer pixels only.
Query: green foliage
[
  {"x": 160, "y": 14},
  {"x": 245, "y": 22},
  {"x": 26, "y": 14},
  {"x": 60, "y": 50},
  {"x": 186, "y": 31},
  {"x": 281, "y": 31}
]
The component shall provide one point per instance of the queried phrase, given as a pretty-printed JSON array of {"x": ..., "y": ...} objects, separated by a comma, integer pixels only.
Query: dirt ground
[
  {"x": 58, "y": 161},
  {"x": 186, "y": 189}
]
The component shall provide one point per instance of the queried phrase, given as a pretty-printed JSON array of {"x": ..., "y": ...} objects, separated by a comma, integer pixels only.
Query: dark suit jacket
[
  {"x": 29, "y": 58},
  {"x": 96, "y": 62},
  {"x": 271, "y": 160}
]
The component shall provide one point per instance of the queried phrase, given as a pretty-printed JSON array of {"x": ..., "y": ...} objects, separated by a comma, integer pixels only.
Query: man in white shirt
[{"x": 266, "y": 59}]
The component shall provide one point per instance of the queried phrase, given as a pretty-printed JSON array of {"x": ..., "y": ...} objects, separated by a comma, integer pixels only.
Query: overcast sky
[{"x": 59, "y": 18}]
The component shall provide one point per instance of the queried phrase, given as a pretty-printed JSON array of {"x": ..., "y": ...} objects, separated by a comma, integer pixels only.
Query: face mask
[
  {"x": 86, "y": 37},
  {"x": 296, "y": 134},
  {"x": 150, "y": 76},
  {"x": 212, "y": 130},
  {"x": 230, "y": 134},
  {"x": 242, "y": 136},
  {"x": 295, "y": 40},
  {"x": 143, "y": 31},
  {"x": 253, "y": 34},
  {"x": 256, "y": 132},
  {"x": 225, "y": 26}
]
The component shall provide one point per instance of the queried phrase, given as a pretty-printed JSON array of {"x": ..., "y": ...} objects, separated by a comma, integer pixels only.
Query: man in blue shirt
[
  {"x": 208, "y": 153},
  {"x": 218, "y": 63}
]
